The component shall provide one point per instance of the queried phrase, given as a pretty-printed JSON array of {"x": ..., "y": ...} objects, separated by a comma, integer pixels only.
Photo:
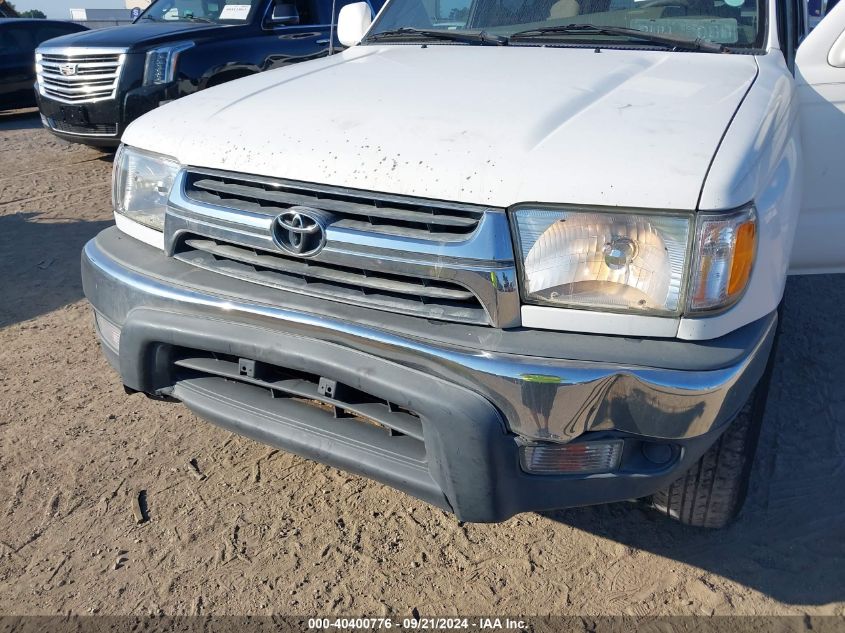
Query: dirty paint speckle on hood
[{"x": 488, "y": 126}]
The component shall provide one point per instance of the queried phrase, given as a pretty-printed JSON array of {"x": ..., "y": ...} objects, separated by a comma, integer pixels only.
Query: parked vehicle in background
[
  {"x": 528, "y": 261},
  {"x": 92, "y": 85},
  {"x": 817, "y": 9},
  {"x": 19, "y": 38},
  {"x": 814, "y": 13}
]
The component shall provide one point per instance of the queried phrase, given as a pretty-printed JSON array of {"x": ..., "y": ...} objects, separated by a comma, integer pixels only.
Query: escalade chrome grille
[
  {"x": 79, "y": 75},
  {"x": 417, "y": 257}
]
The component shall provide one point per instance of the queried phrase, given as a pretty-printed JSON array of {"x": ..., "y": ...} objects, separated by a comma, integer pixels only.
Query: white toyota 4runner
[{"x": 504, "y": 255}]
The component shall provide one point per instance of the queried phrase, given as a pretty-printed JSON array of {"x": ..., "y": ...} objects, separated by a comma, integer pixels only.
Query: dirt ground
[{"x": 267, "y": 532}]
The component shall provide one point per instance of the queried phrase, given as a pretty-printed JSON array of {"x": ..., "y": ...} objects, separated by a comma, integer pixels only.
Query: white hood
[{"x": 488, "y": 125}]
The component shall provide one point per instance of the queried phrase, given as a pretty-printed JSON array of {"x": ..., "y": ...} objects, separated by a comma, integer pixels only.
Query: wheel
[{"x": 711, "y": 493}]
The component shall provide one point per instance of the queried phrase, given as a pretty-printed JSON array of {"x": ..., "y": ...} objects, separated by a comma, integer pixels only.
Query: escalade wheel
[{"x": 711, "y": 493}]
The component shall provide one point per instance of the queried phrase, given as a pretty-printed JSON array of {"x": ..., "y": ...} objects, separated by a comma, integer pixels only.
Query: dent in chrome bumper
[{"x": 540, "y": 398}]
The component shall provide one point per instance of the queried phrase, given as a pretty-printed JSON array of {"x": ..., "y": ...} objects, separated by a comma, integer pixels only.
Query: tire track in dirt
[
  {"x": 51, "y": 194},
  {"x": 66, "y": 166}
]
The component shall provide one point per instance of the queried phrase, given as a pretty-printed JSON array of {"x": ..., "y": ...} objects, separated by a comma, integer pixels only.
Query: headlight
[
  {"x": 602, "y": 260},
  {"x": 160, "y": 66},
  {"x": 141, "y": 184},
  {"x": 634, "y": 262}
]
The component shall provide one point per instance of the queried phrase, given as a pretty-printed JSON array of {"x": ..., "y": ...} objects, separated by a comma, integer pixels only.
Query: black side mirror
[{"x": 284, "y": 15}]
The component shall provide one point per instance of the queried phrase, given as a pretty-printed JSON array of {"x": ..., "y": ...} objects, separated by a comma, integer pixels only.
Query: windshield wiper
[
  {"x": 675, "y": 41},
  {"x": 194, "y": 19},
  {"x": 148, "y": 17},
  {"x": 454, "y": 36}
]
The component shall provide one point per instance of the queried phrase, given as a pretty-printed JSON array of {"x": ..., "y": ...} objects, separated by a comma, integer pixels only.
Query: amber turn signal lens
[
  {"x": 725, "y": 247},
  {"x": 746, "y": 241}
]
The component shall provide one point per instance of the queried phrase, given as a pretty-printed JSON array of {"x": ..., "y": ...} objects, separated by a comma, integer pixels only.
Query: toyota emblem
[
  {"x": 301, "y": 231},
  {"x": 67, "y": 69}
]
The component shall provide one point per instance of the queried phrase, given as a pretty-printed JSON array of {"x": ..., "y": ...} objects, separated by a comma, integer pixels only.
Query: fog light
[
  {"x": 109, "y": 332},
  {"x": 658, "y": 454},
  {"x": 583, "y": 458}
]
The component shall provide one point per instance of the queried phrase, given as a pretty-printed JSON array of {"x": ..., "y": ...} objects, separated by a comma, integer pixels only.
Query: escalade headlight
[
  {"x": 141, "y": 184},
  {"x": 633, "y": 261},
  {"x": 160, "y": 64}
]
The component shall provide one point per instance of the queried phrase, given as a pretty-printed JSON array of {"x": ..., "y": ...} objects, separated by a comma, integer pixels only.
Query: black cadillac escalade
[{"x": 91, "y": 85}]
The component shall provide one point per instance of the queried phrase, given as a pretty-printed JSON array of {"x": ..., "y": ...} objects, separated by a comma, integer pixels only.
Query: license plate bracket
[{"x": 73, "y": 114}]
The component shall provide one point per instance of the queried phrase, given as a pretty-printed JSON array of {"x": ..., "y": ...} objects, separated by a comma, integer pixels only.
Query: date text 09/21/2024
[{"x": 417, "y": 623}]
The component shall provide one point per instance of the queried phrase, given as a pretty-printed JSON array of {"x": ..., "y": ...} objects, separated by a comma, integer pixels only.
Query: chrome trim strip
[
  {"x": 318, "y": 188},
  {"x": 80, "y": 51},
  {"x": 70, "y": 91},
  {"x": 48, "y": 73},
  {"x": 546, "y": 399},
  {"x": 51, "y": 124}
]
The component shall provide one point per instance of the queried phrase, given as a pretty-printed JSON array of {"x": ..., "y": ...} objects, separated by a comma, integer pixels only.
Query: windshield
[
  {"x": 732, "y": 23},
  {"x": 220, "y": 11}
]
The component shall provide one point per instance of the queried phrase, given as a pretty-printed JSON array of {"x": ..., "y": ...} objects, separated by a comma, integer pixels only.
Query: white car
[{"x": 505, "y": 256}]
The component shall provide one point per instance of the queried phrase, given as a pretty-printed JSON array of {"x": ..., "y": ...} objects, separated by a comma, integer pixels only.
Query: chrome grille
[
  {"x": 79, "y": 75},
  {"x": 431, "y": 259},
  {"x": 399, "y": 293},
  {"x": 382, "y": 214}
]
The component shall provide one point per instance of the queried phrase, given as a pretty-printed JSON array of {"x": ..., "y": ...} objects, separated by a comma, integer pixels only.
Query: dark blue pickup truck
[{"x": 92, "y": 85}]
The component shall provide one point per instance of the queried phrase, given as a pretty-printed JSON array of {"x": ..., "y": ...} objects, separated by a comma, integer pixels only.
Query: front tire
[{"x": 711, "y": 493}]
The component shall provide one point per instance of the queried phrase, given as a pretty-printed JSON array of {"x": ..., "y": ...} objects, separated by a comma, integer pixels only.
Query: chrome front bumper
[
  {"x": 469, "y": 395},
  {"x": 553, "y": 399}
]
